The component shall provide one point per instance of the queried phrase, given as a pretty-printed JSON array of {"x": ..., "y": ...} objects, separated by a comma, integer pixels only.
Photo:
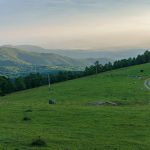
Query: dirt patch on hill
[{"x": 103, "y": 103}]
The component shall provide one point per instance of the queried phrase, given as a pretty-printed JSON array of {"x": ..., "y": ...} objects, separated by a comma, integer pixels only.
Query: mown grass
[{"x": 71, "y": 124}]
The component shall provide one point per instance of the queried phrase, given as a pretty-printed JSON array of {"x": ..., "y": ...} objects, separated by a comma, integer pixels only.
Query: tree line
[
  {"x": 98, "y": 68},
  {"x": 8, "y": 85}
]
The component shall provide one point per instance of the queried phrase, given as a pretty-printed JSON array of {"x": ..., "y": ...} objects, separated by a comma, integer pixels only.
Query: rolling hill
[
  {"x": 74, "y": 124},
  {"x": 83, "y": 54},
  {"x": 17, "y": 56},
  {"x": 11, "y": 57}
]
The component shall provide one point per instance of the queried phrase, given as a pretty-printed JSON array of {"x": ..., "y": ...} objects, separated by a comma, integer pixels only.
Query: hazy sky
[{"x": 71, "y": 24}]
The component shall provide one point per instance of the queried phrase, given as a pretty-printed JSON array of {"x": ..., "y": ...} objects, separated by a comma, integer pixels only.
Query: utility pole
[
  {"x": 96, "y": 67},
  {"x": 96, "y": 70},
  {"x": 49, "y": 82},
  {"x": 35, "y": 70}
]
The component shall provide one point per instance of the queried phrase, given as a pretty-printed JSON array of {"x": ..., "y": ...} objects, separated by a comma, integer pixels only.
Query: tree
[{"x": 20, "y": 84}]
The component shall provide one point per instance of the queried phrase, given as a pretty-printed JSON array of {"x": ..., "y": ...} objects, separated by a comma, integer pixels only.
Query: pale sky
[{"x": 76, "y": 24}]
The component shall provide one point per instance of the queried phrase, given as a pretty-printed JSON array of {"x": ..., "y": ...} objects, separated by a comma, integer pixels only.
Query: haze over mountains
[
  {"x": 77, "y": 53},
  {"x": 24, "y": 58},
  {"x": 19, "y": 59}
]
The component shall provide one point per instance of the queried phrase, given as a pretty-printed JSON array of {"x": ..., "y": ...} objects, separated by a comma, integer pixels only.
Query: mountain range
[
  {"x": 18, "y": 59},
  {"x": 83, "y": 54}
]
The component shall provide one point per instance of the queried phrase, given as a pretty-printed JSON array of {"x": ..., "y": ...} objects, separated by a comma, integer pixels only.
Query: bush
[
  {"x": 52, "y": 101},
  {"x": 38, "y": 142},
  {"x": 26, "y": 118},
  {"x": 28, "y": 110}
]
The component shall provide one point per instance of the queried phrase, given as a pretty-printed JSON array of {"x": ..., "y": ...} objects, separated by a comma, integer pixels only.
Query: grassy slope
[{"x": 74, "y": 125}]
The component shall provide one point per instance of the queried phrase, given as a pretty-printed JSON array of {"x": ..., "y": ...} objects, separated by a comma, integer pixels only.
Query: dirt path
[{"x": 147, "y": 83}]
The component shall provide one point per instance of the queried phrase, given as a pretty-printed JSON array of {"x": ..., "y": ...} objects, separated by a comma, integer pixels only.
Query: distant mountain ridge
[
  {"x": 15, "y": 55},
  {"x": 17, "y": 58},
  {"x": 83, "y": 54}
]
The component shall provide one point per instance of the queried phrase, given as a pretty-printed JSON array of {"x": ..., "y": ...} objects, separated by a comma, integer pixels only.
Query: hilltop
[{"x": 73, "y": 124}]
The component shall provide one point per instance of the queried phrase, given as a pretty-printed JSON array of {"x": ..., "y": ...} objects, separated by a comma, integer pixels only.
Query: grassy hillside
[{"x": 71, "y": 124}]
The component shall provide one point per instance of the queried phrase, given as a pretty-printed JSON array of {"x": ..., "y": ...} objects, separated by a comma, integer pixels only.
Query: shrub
[
  {"x": 28, "y": 110},
  {"x": 26, "y": 118},
  {"x": 38, "y": 142}
]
